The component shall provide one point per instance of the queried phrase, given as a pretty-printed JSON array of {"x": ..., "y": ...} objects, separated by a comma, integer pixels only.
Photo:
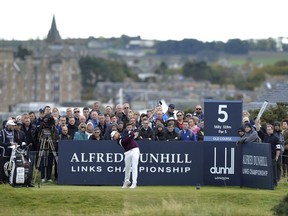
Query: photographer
[{"x": 48, "y": 135}]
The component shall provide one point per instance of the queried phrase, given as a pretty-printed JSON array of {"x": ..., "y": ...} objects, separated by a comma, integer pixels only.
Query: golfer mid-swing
[{"x": 132, "y": 154}]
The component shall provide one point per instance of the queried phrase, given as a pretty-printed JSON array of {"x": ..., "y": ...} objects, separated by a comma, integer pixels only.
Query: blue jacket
[
  {"x": 187, "y": 135},
  {"x": 80, "y": 136}
]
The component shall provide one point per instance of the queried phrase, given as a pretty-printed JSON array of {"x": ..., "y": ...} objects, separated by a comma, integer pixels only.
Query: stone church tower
[
  {"x": 53, "y": 34},
  {"x": 50, "y": 75}
]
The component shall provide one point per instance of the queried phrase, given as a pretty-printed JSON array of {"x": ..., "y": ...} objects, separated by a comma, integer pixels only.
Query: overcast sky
[{"x": 205, "y": 20}]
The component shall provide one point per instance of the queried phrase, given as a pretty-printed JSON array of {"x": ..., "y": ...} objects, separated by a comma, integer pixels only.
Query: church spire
[{"x": 53, "y": 35}]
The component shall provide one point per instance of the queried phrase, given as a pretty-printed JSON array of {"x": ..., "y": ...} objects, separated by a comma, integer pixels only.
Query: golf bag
[{"x": 18, "y": 168}]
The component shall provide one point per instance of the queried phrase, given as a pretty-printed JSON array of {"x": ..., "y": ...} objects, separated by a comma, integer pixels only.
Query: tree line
[{"x": 232, "y": 46}]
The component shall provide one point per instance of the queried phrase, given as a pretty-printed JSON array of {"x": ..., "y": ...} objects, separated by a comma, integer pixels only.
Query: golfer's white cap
[
  {"x": 113, "y": 134},
  {"x": 10, "y": 122}
]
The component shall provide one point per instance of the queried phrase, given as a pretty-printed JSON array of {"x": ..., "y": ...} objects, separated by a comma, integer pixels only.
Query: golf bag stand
[{"x": 18, "y": 168}]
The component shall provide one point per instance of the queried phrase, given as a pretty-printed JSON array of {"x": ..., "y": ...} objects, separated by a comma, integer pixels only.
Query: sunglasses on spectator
[
  {"x": 179, "y": 115},
  {"x": 83, "y": 127},
  {"x": 76, "y": 111},
  {"x": 198, "y": 108},
  {"x": 126, "y": 107}
]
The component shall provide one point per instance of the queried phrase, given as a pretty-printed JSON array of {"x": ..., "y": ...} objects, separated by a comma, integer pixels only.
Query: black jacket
[
  {"x": 31, "y": 134},
  {"x": 273, "y": 140},
  {"x": 145, "y": 134}
]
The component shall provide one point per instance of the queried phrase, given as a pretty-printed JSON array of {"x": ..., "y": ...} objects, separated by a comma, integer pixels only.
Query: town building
[{"x": 50, "y": 74}]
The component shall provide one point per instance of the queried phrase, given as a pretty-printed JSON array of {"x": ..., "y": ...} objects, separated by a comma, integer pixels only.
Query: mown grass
[
  {"x": 52, "y": 199},
  {"x": 264, "y": 58}
]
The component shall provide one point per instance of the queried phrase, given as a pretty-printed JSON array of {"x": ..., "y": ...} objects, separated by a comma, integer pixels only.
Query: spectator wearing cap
[
  {"x": 170, "y": 111},
  {"x": 250, "y": 135},
  {"x": 241, "y": 131},
  {"x": 89, "y": 129},
  {"x": 188, "y": 116},
  {"x": 40, "y": 117},
  {"x": 199, "y": 113},
  {"x": 7, "y": 138},
  {"x": 120, "y": 127},
  {"x": 171, "y": 120}
]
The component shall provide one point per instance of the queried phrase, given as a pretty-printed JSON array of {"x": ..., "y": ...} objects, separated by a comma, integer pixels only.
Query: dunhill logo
[{"x": 223, "y": 170}]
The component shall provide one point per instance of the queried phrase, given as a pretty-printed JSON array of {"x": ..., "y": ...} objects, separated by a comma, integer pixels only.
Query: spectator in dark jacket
[
  {"x": 96, "y": 135},
  {"x": 72, "y": 127},
  {"x": 159, "y": 132},
  {"x": 64, "y": 134},
  {"x": 146, "y": 132},
  {"x": 170, "y": 134}
]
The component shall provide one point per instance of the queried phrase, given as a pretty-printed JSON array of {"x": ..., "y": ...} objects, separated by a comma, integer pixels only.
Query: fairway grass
[{"x": 51, "y": 199}]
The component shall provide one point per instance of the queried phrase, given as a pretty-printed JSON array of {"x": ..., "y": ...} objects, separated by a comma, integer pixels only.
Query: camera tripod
[{"x": 46, "y": 144}]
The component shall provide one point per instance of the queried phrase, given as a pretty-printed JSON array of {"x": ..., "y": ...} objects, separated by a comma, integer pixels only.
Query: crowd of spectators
[
  {"x": 276, "y": 134},
  {"x": 154, "y": 125},
  {"x": 95, "y": 124}
]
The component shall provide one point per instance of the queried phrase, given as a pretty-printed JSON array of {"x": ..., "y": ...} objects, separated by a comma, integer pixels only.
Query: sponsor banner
[
  {"x": 225, "y": 117},
  {"x": 102, "y": 163},
  {"x": 221, "y": 163},
  {"x": 257, "y": 170},
  {"x": 167, "y": 163}
]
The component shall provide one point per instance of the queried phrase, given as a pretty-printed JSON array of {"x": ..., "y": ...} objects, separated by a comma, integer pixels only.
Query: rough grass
[{"x": 52, "y": 199}]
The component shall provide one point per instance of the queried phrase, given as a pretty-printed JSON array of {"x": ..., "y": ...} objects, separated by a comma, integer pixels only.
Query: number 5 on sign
[
  {"x": 221, "y": 111},
  {"x": 222, "y": 120}
]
